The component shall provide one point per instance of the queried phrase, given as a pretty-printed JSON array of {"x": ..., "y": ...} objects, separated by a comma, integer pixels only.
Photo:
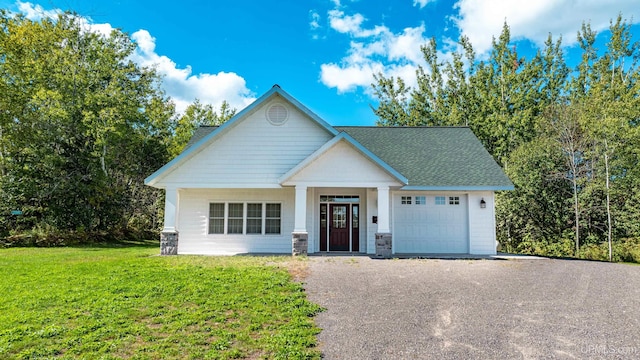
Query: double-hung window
[
  {"x": 216, "y": 218},
  {"x": 254, "y": 218},
  {"x": 245, "y": 218},
  {"x": 272, "y": 221},
  {"x": 235, "y": 219}
]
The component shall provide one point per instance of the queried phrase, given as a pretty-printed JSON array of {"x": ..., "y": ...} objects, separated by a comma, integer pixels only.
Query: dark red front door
[{"x": 339, "y": 227}]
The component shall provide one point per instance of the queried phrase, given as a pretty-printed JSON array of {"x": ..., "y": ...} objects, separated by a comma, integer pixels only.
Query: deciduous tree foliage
[
  {"x": 568, "y": 138},
  {"x": 196, "y": 115},
  {"x": 81, "y": 126}
]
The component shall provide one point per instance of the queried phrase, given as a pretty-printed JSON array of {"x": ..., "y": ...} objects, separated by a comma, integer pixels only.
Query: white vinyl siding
[
  {"x": 194, "y": 222},
  {"x": 343, "y": 159},
  {"x": 252, "y": 153},
  {"x": 482, "y": 230}
]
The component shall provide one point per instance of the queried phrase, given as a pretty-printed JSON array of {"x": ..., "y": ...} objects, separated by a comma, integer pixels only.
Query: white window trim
[
  {"x": 244, "y": 217},
  {"x": 264, "y": 218}
]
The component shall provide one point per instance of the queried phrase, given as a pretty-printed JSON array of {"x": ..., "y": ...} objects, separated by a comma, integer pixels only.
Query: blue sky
[{"x": 323, "y": 52}]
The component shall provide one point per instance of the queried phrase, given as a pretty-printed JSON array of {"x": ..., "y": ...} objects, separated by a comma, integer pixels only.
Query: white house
[{"x": 276, "y": 178}]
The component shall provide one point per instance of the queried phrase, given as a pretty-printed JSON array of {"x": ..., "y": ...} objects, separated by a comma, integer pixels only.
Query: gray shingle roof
[
  {"x": 200, "y": 133},
  {"x": 433, "y": 156},
  {"x": 447, "y": 157}
]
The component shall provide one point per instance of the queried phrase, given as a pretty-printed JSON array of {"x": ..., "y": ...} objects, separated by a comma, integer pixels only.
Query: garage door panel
[{"x": 431, "y": 228}]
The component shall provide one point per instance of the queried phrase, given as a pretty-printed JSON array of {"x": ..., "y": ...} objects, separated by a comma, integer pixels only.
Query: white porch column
[
  {"x": 300, "y": 224},
  {"x": 169, "y": 235},
  {"x": 300, "y": 237},
  {"x": 384, "y": 239},
  {"x": 383, "y": 210},
  {"x": 170, "y": 209}
]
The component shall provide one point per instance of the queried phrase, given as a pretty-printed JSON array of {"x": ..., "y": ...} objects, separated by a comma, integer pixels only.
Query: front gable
[
  {"x": 252, "y": 150},
  {"x": 269, "y": 142},
  {"x": 342, "y": 162}
]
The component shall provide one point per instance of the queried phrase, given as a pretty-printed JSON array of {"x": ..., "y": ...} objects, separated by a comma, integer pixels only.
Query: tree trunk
[
  {"x": 577, "y": 214},
  {"x": 1, "y": 153},
  {"x": 606, "y": 167},
  {"x": 102, "y": 160}
]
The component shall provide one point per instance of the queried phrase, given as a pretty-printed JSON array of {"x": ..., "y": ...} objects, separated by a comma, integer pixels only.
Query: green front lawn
[{"x": 129, "y": 303}]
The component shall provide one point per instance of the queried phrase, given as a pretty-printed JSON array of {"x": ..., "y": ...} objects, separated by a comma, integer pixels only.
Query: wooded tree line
[
  {"x": 566, "y": 136},
  {"x": 81, "y": 126}
]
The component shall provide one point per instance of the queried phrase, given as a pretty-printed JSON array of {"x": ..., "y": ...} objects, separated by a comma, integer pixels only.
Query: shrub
[
  {"x": 598, "y": 252},
  {"x": 627, "y": 250},
  {"x": 563, "y": 248},
  {"x": 624, "y": 250},
  {"x": 51, "y": 237}
]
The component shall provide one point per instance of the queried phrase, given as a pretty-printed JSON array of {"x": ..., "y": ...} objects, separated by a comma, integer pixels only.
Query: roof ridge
[{"x": 404, "y": 127}]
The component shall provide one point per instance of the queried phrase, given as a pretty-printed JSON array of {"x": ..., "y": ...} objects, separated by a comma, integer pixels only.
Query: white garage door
[{"x": 430, "y": 224}]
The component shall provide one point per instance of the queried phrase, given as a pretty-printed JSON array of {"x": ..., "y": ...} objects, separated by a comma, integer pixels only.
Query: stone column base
[
  {"x": 383, "y": 245},
  {"x": 169, "y": 243},
  {"x": 299, "y": 243}
]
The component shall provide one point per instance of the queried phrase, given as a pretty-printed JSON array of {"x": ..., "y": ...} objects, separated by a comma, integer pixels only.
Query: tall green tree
[
  {"x": 499, "y": 99},
  {"x": 611, "y": 104},
  {"x": 566, "y": 130},
  {"x": 568, "y": 138},
  {"x": 78, "y": 126},
  {"x": 197, "y": 114}
]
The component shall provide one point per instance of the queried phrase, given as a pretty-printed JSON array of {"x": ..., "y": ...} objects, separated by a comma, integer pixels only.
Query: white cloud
[
  {"x": 481, "y": 20},
  {"x": 315, "y": 20},
  {"x": 421, "y": 3},
  {"x": 345, "y": 23},
  {"x": 407, "y": 45},
  {"x": 376, "y": 49},
  {"x": 179, "y": 83},
  {"x": 373, "y": 50},
  {"x": 104, "y": 29},
  {"x": 36, "y": 12},
  {"x": 347, "y": 78},
  {"x": 183, "y": 86},
  {"x": 314, "y": 24}
]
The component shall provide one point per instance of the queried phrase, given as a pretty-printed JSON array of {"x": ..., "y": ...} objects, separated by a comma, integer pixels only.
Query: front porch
[{"x": 340, "y": 220}]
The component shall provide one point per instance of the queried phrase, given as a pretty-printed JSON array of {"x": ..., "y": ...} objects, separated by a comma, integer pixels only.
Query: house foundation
[
  {"x": 383, "y": 245},
  {"x": 169, "y": 243},
  {"x": 300, "y": 243}
]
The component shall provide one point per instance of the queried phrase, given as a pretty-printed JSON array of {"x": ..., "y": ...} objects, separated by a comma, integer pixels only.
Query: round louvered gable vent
[{"x": 277, "y": 114}]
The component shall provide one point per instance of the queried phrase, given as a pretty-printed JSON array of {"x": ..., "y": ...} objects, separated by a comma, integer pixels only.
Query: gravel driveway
[{"x": 484, "y": 309}]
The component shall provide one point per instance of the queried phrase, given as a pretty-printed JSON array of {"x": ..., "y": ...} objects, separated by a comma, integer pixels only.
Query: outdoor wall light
[{"x": 483, "y": 204}]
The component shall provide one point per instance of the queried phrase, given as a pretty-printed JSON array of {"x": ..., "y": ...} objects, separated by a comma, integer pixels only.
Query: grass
[{"x": 125, "y": 302}]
